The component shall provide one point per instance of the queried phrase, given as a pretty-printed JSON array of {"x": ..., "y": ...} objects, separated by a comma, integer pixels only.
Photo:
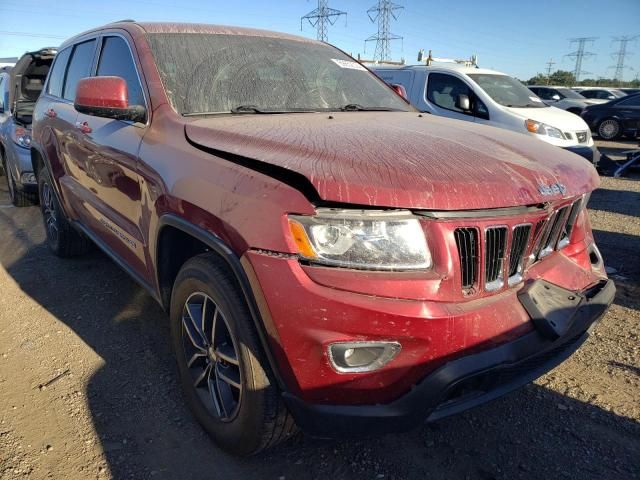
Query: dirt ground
[{"x": 88, "y": 384}]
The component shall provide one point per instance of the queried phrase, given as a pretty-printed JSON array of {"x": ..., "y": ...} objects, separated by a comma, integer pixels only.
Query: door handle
[
  {"x": 83, "y": 127},
  {"x": 51, "y": 113}
]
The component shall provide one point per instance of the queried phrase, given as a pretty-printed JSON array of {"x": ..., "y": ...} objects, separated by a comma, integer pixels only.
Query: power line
[
  {"x": 383, "y": 12},
  {"x": 321, "y": 18},
  {"x": 550, "y": 65},
  {"x": 580, "y": 54},
  {"x": 620, "y": 55}
]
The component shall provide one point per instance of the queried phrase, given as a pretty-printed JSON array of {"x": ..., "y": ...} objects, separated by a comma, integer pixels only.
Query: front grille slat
[
  {"x": 467, "y": 243},
  {"x": 551, "y": 241},
  {"x": 567, "y": 228},
  {"x": 516, "y": 255},
  {"x": 495, "y": 247}
]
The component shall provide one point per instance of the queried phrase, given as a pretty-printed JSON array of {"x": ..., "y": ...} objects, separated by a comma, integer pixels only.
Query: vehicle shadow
[
  {"x": 146, "y": 431},
  {"x": 615, "y": 201}
]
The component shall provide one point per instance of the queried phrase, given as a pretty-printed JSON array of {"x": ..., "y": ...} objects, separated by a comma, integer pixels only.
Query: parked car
[
  {"x": 630, "y": 91},
  {"x": 491, "y": 98},
  {"x": 329, "y": 257},
  {"x": 600, "y": 93},
  {"x": 615, "y": 118},
  {"x": 19, "y": 91},
  {"x": 564, "y": 98}
]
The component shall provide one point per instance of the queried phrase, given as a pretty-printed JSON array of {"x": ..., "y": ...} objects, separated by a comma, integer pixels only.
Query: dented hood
[{"x": 404, "y": 160}]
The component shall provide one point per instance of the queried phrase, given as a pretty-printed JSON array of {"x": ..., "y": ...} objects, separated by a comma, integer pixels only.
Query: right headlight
[
  {"x": 543, "y": 129},
  {"x": 371, "y": 240}
]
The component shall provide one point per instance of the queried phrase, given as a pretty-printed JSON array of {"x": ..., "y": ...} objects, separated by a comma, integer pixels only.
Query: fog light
[
  {"x": 28, "y": 178},
  {"x": 595, "y": 257},
  {"x": 358, "y": 357}
]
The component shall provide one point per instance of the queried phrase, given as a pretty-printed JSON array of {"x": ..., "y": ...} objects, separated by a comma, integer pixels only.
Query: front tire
[
  {"x": 224, "y": 374},
  {"x": 609, "y": 129},
  {"x": 63, "y": 240}
]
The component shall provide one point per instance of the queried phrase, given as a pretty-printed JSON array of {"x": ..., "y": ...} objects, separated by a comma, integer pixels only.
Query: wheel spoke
[
  {"x": 227, "y": 353},
  {"x": 204, "y": 376},
  {"x": 194, "y": 316},
  {"x": 229, "y": 375},
  {"x": 216, "y": 395},
  {"x": 193, "y": 334},
  {"x": 198, "y": 356}
]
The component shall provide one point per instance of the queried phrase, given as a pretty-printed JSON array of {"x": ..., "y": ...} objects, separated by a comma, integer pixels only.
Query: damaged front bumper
[{"x": 468, "y": 381}]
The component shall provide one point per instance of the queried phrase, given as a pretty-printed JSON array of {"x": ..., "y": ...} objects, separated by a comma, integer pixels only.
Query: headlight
[
  {"x": 22, "y": 137},
  {"x": 543, "y": 129},
  {"x": 372, "y": 240}
]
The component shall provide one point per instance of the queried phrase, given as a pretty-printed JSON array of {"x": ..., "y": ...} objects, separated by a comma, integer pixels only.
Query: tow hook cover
[{"x": 551, "y": 308}]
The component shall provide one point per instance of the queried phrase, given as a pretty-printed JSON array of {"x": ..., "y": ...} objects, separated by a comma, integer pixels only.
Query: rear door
[
  {"x": 107, "y": 156},
  {"x": 629, "y": 111}
]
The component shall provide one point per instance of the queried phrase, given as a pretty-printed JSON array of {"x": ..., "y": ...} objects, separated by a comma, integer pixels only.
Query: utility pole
[
  {"x": 580, "y": 54},
  {"x": 321, "y": 18},
  {"x": 550, "y": 64},
  {"x": 383, "y": 12},
  {"x": 620, "y": 55}
]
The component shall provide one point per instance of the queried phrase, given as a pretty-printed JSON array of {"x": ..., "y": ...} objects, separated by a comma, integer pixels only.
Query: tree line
[{"x": 568, "y": 79}]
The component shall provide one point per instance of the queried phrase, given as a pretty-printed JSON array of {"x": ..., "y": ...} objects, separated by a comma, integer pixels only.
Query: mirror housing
[
  {"x": 107, "y": 97},
  {"x": 400, "y": 90},
  {"x": 463, "y": 102},
  {"x": 555, "y": 97}
]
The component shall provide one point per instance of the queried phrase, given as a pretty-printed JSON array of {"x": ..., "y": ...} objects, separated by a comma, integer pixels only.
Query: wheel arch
[{"x": 177, "y": 240}]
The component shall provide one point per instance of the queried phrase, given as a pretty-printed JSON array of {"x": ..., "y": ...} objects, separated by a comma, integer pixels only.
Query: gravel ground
[{"x": 88, "y": 385}]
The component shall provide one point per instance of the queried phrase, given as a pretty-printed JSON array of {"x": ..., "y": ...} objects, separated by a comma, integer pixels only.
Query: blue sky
[{"x": 509, "y": 35}]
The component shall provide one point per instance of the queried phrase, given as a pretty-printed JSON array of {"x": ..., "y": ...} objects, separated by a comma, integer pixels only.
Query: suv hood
[{"x": 402, "y": 160}]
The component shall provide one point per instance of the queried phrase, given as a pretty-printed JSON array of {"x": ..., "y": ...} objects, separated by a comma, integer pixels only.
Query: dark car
[
  {"x": 19, "y": 91},
  {"x": 329, "y": 257},
  {"x": 615, "y": 118}
]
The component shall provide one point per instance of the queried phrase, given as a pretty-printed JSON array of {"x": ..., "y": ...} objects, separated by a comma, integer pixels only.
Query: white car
[
  {"x": 489, "y": 97},
  {"x": 564, "y": 98},
  {"x": 600, "y": 93}
]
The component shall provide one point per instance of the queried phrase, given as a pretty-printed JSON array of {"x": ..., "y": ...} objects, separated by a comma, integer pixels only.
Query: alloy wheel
[
  {"x": 609, "y": 129},
  {"x": 211, "y": 356},
  {"x": 49, "y": 213}
]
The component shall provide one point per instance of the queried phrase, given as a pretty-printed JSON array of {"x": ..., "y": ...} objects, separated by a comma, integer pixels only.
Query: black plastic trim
[
  {"x": 218, "y": 246},
  {"x": 428, "y": 400}
]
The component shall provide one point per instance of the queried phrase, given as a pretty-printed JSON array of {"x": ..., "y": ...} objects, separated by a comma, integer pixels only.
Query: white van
[{"x": 486, "y": 96}]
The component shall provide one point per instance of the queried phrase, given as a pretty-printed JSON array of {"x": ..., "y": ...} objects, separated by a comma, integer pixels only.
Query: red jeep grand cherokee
[{"x": 329, "y": 257}]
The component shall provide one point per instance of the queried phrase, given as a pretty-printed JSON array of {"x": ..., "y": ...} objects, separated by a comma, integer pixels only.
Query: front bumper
[
  {"x": 462, "y": 383},
  {"x": 590, "y": 153}
]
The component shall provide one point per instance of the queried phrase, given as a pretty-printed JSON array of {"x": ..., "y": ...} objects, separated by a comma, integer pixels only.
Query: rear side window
[
  {"x": 116, "y": 60},
  {"x": 442, "y": 90},
  {"x": 79, "y": 67},
  {"x": 56, "y": 77}
]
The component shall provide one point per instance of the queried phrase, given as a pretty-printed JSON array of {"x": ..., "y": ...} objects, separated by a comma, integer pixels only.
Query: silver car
[
  {"x": 564, "y": 98},
  {"x": 19, "y": 91}
]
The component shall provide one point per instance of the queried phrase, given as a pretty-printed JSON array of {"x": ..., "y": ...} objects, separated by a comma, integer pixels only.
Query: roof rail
[{"x": 471, "y": 62}]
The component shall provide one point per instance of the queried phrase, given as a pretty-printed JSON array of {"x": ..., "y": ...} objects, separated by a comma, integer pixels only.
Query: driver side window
[{"x": 443, "y": 90}]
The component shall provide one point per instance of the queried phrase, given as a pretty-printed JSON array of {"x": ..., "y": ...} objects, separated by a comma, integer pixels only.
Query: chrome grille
[
  {"x": 495, "y": 248},
  {"x": 519, "y": 242},
  {"x": 505, "y": 251},
  {"x": 467, "y": 243}
]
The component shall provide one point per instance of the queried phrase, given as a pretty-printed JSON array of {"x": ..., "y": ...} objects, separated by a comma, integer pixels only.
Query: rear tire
[
  {"x": 609, "y": 129},
  {"x": 209, "y": 316},
  {"x": 63, "y": 240}
]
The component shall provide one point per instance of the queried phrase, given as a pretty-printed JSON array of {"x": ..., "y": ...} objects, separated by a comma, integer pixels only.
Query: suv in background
[
  {"x": 563, "y": 97},
  {"x": 492, "y": 98},
  {"x": 329, "y": 257},
  {"x": 19, "y": 91}
]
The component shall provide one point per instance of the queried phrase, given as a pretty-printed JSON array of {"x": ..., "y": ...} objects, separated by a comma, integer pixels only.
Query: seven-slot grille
[{"x": 505, "y": 250}]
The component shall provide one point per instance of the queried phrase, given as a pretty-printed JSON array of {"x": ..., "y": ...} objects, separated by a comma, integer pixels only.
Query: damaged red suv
[{"x": 329, "y": 257}]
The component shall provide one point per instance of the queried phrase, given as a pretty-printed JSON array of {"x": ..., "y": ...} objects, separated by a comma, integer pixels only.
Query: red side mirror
[
  {"x": 399, "y": 89},
  {"x": 106, "y": 97}
]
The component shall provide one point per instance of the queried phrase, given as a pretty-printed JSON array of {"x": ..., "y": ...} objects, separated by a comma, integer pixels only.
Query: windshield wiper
[
  {"x": 247, "y": 109},
  {"x": 355, "y": 107}
]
